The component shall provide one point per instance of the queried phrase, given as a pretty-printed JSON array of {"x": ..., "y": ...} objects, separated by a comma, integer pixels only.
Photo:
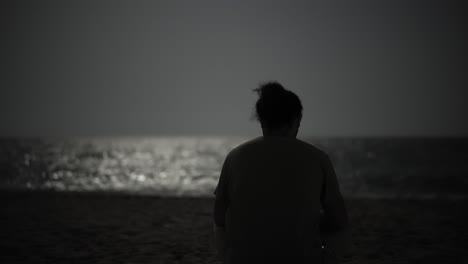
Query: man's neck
[{"x": 285, "y": 134}]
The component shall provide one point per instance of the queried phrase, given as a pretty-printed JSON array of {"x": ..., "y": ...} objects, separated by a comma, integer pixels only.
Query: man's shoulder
[
  {"x": 298, "y": 143},
  {"x": 312, "y": 148},
  {"x": 244, "y": 145}
]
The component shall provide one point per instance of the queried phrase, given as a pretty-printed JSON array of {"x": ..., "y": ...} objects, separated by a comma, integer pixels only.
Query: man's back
[{"x": 273, "y": 189}]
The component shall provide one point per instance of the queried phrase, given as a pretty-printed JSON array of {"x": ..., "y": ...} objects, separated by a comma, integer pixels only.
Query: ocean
[{"x": 421, "y": 168}]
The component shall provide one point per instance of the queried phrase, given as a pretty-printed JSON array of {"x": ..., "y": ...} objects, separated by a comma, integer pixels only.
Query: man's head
[{"x": 278, "y": 110}]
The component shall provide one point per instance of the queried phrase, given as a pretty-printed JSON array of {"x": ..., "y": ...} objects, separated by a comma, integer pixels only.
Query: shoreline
[{"x": 148, "y": 194}]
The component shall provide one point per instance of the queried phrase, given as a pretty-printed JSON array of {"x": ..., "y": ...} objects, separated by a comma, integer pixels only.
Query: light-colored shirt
[{"x": 270, "y": 196}]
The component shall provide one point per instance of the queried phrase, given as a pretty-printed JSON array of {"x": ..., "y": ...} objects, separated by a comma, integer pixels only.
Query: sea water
[{"x": 181, "y": 166}]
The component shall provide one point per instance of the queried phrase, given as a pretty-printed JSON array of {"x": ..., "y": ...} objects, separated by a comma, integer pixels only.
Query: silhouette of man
[{"x": 278, "y": 199}]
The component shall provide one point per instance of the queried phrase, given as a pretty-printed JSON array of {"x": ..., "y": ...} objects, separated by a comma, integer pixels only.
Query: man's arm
[
  {"x": 334, "y": 228},
  {"x": 220, "y": 207},
  {"x": 220, "y": 241}
]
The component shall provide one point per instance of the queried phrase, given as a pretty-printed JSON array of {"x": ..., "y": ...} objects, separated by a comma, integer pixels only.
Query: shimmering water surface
[{"x": 423, "y": 168}]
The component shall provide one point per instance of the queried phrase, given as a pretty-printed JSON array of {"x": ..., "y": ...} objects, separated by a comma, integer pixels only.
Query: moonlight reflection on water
[{"x": 176, "y": 165}]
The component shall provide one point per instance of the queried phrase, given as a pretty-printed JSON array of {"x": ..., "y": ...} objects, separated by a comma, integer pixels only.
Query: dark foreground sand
[{"x": 41, "y": 227}]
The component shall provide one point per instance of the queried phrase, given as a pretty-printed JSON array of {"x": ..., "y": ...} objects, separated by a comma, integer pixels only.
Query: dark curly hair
[{"x": 276, "y": 106}]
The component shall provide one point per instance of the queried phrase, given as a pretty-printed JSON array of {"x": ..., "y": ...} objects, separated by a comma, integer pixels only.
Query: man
[{"x": 278, "y": 198}]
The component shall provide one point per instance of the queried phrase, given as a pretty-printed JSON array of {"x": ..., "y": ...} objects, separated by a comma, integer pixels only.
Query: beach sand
[{"x": 48, "y": 227}]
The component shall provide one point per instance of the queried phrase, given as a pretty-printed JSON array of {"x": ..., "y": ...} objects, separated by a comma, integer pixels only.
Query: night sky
[{"x": 106, "y": 68}]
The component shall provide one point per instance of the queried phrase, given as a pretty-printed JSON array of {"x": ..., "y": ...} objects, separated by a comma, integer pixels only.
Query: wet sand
[{"x": 47, "y": 227}]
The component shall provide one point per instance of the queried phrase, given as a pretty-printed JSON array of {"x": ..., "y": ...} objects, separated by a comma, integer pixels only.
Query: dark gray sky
[{"x": 361, "y": 68}]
